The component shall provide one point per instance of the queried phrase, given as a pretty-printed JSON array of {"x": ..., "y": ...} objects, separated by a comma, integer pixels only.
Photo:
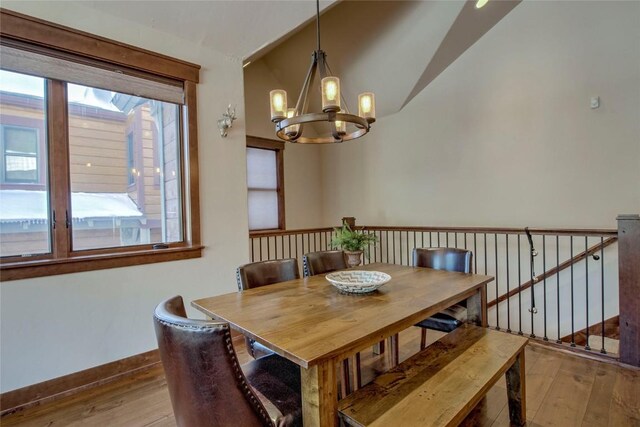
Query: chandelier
[{"x": 290, "y": 122}]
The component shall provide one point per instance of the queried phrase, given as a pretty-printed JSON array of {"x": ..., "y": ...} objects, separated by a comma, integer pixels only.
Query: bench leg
[
  {"x": 516, "y": 391},
  {"x": 423, "y": 338}
]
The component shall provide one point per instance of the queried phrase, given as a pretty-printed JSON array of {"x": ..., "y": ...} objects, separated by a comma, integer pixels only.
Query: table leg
[
  {"x": 516, "y": 391},
  {"x": 477, "y": 307},
  {"x": 320, "y": 395}
]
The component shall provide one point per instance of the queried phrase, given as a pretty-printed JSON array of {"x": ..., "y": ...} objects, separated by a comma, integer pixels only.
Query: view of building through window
[
  {"x": 123, "y": 162},
  {"x": 24, "y": 204},
  {"x": 119, "y": 145}
]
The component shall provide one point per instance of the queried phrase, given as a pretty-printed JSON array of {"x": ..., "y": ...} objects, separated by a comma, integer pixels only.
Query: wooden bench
[{"x": 442, "y": 384}]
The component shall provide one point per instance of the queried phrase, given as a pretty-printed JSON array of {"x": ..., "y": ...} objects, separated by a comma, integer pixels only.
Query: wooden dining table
[{"x": 311, "y": 323}]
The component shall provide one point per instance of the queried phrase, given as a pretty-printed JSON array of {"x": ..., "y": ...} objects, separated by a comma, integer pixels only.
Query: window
[
  {"x": 24, "y": 212},
  {"x": 94, "y": 153},
  {"x": 20, "y": 149},
  {"x": 114, "y": 200},
  {"x": 265, "y": 189}
]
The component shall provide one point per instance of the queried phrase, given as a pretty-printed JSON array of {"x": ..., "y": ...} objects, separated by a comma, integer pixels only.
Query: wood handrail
[
  {"x": 592, "y": 232},
  {"x": 579, "y": 257},
  {"x": 600, "y": 232},
  {"x": 272, "y": 233}
]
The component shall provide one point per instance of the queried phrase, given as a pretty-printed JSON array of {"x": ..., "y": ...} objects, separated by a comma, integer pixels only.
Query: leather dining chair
[
  {"x": 208, "y": 386},
  {"x": 323, "y": 262},
  {"x": 263, "y": 273},
  {"x": 449, "y": 259}
]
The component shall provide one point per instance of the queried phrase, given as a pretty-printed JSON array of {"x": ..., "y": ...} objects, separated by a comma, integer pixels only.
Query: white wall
[
  {"x": 302, "y": 164},
  {"x": 505, "y": 135},
  {"x": 61, "y": 324}
]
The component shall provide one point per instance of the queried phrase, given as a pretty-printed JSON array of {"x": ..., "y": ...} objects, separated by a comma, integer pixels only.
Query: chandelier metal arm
[
  {"x": 307, "y": 89},
  {"x": 302, "y": 98},
  {"x": 322, "y": 64}
]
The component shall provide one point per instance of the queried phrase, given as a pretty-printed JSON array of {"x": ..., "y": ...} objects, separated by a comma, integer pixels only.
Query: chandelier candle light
[{"x": 290, "y": 121}]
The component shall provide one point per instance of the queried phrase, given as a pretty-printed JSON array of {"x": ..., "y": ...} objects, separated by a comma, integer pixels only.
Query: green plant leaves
[{"x": 350, "y": 240}]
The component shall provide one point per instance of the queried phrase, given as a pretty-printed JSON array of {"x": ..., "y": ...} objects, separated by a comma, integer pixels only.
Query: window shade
[
  {"x": 261, "y": 169},
  {"x": 262, "y": 184},
  {"x": 41, "y": 65},
  {"x": 263, "y": 209}
]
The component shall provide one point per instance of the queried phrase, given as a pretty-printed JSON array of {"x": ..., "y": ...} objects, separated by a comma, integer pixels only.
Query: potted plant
[{"x": 353, "y": 243}]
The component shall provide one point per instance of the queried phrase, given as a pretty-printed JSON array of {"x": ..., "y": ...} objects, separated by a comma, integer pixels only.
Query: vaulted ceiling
[
  {"x": 236, "y": 28},
  {"x": 392, "y": 48}
]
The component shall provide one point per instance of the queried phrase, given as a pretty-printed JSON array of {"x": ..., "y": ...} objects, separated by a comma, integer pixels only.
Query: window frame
[
  {"x": 278, "y": 147},
  {"x": 25, "y": 32}
]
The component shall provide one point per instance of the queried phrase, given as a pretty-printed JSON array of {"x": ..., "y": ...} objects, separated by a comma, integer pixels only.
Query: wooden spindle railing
[{"x": 573, "y": 292}]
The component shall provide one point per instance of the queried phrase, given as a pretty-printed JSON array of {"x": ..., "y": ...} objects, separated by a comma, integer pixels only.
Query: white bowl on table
[{"x": 357, "y": 281}]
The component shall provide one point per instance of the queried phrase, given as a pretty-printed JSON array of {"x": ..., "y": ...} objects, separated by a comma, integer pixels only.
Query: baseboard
[{"x": 68, "y": 385}]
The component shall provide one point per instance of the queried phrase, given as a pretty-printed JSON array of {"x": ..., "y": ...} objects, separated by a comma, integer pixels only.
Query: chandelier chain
[{"x": 318, "y": 21}]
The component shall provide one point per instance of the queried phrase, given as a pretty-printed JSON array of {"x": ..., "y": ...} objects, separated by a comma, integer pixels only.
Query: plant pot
[{"x": 354, "y": 258}]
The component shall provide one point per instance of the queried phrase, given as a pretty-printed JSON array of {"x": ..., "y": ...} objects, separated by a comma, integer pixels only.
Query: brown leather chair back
[
  {"x": 206, "y": 385},
  {"x": 264, "y": 273},
  {"x": 450, "y": 259},
  {"x": 323, "y": 262}
]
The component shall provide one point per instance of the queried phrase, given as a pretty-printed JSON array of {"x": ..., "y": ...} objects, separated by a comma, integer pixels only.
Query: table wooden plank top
[{"x": 309, "y": 321}]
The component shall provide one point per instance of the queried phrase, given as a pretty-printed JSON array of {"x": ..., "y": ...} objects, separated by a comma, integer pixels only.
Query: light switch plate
[{"x": 595, "y": 102}]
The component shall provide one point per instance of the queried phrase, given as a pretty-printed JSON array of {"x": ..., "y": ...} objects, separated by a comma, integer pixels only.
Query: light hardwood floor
[{"x": 562, "y": 390}]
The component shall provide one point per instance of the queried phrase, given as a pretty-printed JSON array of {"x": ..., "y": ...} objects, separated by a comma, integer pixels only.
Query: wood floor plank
[
  {"x": 599, "y": 405},
  {"x": 566, "y": 401},
  {"x": 540, "y": 376},
  {"x": 625, "y": 401},
  {"x": 486, "y": 412}
]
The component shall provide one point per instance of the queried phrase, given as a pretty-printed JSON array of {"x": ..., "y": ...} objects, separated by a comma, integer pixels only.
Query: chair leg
[
  {"x": 423, "y": 339},
  {"x": 350, "y": 366},
  {"x": 394, "y": 343},
  {"x": 345, "y": 378},
  {"x": 357, "y": 381},
  {"x": 379, "y": 348}
]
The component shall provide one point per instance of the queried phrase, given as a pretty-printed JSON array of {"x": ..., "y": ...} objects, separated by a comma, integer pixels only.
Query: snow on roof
[
  {"x": 24, "y": 205},
  {"x": 34, "y": 86}
]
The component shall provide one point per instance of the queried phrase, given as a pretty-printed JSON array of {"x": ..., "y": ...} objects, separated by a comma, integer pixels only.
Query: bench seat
[{"x": 442, "y": 384}]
